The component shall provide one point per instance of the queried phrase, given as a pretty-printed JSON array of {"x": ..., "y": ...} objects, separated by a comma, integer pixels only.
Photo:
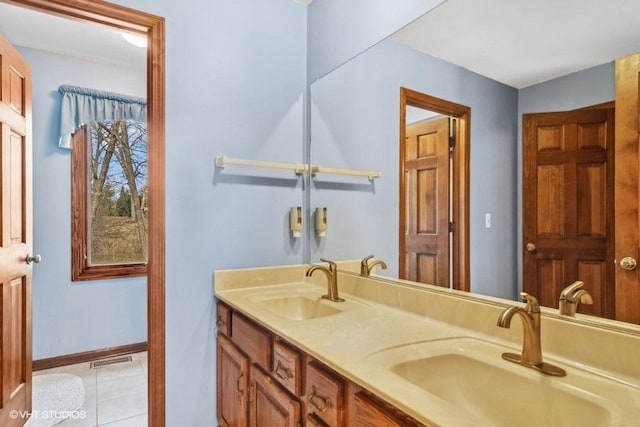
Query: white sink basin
[{"x": 470, "y": 374}]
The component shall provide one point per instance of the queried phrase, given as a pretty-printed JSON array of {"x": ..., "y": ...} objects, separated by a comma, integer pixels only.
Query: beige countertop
[{"x": 378, "y": 316}]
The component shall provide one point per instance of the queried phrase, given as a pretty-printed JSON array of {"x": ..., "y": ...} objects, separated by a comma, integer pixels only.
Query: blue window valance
[{"x": 80, "y": 106}]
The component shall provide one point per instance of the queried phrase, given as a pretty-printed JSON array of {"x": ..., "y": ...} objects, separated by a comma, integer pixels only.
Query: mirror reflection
[{"x": 358, "y": 120}]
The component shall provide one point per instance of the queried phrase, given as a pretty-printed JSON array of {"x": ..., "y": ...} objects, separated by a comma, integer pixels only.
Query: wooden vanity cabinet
[
  {"x": 265, "y": 381},
  {"x": 247, "y": 395}
]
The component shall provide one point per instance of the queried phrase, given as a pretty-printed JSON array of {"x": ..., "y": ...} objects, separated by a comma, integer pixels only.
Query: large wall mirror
[{"x": 496, "y": 63}]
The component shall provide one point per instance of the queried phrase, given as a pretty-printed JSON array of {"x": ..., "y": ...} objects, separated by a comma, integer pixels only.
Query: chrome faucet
[
  {"x": 531, "y": 356},
  {"x": 332, "y": 279},
  {"x": 366, "y": 268},
  {"x": 571, "y": 296}
]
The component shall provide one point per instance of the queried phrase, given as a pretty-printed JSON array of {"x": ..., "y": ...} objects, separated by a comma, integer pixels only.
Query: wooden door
[
  {"x": 233, "y": 383},
  {"x": 15, "y": 236},
  {"x": 627, "y": 189},
  {"x": 426, "y": 210},
  {"x": 568, "y": 205},
  {"x": 271, "y": 405}
]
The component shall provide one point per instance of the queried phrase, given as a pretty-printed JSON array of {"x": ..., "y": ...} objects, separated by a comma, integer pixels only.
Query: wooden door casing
[
  {"x": 460, "y": 182},
  {"x": 568, "y": 205},
  {"x": 16, "y": 236},
  {"x": 426, "y": 167},
  {"x": 627, "y": 187}
]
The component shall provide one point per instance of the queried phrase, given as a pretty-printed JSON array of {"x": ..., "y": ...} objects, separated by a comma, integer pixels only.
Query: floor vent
[{"x": 108, "y": 362}]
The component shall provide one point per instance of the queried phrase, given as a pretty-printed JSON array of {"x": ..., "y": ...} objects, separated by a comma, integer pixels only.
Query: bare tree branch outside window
[{"x": 117, "y": 205}]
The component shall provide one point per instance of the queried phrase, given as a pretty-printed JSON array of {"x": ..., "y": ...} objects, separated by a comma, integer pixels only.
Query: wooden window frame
[{"x": 81, "y": 269}]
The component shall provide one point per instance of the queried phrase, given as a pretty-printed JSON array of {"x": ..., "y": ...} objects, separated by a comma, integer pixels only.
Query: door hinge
[
  {"x": 452, "y": 142},
  {"x": 452, "y": 227}
]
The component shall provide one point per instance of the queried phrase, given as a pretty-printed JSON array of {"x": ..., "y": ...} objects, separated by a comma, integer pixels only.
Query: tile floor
[{"x": 115, "y": 396}]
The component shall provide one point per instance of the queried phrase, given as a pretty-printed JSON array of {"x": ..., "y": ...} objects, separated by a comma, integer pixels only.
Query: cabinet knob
[
  {"x": 531, "y": 247},
  {"x": 282, "y": 371},
  {"x": 319, "y": 402}
]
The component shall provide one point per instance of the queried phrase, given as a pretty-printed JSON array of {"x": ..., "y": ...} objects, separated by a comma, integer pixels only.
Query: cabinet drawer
[
  {"x": 286, "y": 367},
  {"x": 223, "y": 321},
  {"x": 324, "y": 392},
  {"x": 252, "y": 339}
]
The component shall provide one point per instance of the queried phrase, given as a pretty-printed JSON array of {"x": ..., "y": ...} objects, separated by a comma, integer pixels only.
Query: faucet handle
[
  {"x": 332, "y": 265},
  {"x": 365, "y": 260},
  {"x": 568, "y": 292},
  {"x": 364, "y": 266},
  {"x": 532, "y": 302}
]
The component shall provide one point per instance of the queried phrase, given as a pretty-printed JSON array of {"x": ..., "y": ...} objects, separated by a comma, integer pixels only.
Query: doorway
[
  {"x": 433, "y": 220},
  {"x": 121, "y": 18}
]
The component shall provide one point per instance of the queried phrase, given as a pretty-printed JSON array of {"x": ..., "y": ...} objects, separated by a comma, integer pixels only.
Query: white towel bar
[{"x": 298, "y": 168}]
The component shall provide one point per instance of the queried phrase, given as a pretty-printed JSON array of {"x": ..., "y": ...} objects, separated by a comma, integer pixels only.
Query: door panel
[
  {"x": 15, "y": 236},
  {"x": 568, "y": 205},
  {"x": 426, "y": 243}
]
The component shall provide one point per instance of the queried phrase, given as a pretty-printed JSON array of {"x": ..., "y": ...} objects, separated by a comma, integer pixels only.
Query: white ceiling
[
  {"x": 516, "y": 42},
  {"x": 524, "y": 42},
  {"x": 27, "y": 28}
]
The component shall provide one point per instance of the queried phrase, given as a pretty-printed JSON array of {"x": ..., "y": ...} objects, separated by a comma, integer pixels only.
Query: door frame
[
  {"x": 627, "y": 186},
  {"x": 460, "y": 183},
  {"x": 123, "y": 18}
]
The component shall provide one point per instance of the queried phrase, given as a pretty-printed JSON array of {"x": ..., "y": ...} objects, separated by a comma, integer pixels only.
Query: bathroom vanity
[{"x": 395, "y": 353}]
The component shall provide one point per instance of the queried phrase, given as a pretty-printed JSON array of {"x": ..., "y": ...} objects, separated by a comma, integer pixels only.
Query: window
[{"x": 109, "y": 200}]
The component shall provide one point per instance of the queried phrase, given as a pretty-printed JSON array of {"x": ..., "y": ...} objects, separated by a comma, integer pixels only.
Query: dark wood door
[
  {"x": 233, "y": 385},
  {"x": 568, "y": 205},
  {"x": 426, "y": 210},
  {"x": 15, "y": 236},
  {"x": 271, "y": 405}
]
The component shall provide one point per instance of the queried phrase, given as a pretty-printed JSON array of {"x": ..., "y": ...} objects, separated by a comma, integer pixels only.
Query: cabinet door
[
  {"x": 233, "y": 381},
  {"x": 271, "y": 405}
]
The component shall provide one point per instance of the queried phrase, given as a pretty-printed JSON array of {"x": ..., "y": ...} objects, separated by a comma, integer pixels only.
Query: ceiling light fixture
[{"x": 135, "y": 39}]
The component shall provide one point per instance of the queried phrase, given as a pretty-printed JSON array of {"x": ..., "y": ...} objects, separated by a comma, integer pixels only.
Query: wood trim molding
[
  {"x": 627, "y": 186},
  {"x": 120, "y": 17},
  {"x": 461, "y": 177},
  {"x": 88, "y": 356}
]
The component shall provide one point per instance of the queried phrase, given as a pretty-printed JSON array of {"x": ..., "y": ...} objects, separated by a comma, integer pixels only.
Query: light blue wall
[
  {"x": 354, "y": 124},
  {"x": 236, "y": 75},
  {"x": 577, "y": 90},
  {"x": 71, "y": 317},
  {"x": 340, "y": 30}
]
